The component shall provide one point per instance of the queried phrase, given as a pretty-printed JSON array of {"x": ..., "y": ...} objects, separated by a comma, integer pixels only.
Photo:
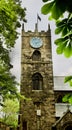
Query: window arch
[
  {"x": 37, "y": 81},
  {"x": 36, "y": 56}
]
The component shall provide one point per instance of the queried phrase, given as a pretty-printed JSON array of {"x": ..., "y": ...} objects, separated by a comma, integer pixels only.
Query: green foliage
[
  {"x": 7, "y": 81},
  {"x": 68, "y": 79},
  {"x": 57, "y": 9},
  {"x": 10, "y": 112},
  {"x": 64, "y": 27},
  {"x": 67, "y": 98},
  {"x": 54, "y": 7},
  {"x": 4, "y": 56},
  {"x": 45, "y": 0},
  {"x": 11, "y": 15},
  {"x": 64, "y": 45}
]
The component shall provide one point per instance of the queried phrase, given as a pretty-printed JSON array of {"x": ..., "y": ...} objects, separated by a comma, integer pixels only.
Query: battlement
[{"x": 36, "y": 32}]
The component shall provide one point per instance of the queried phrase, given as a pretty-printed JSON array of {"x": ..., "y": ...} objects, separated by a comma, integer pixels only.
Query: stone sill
[{"x": 37, "y": 90}]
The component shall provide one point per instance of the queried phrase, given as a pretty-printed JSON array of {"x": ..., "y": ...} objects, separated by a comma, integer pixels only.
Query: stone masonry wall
[{"x": 41, "y": 100}]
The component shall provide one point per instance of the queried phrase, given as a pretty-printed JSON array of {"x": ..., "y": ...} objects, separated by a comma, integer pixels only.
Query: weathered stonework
[
  {"x": 64, "y": 123},
  {"x": 39, "y": 112}
]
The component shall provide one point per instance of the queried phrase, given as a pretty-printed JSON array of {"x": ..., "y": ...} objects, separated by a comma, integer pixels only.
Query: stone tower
[{"x": 38, "y": 111}]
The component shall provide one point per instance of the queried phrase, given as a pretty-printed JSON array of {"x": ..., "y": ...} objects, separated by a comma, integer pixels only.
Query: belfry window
[
  {"x": 36, "y": 56},
  {"x": 37, "y": 81}
]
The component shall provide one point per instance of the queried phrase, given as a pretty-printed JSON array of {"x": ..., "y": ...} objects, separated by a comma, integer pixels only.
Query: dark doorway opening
[
  {"x": 24, "y": 125},
  {"x": 68, "y": 127}
]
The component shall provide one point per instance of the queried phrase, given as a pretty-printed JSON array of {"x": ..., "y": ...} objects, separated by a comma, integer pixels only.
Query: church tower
[{"x": 38, "y": 111}]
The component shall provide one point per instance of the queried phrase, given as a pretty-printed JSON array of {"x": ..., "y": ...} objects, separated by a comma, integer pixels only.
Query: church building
[{"x": 38, "y": 111}]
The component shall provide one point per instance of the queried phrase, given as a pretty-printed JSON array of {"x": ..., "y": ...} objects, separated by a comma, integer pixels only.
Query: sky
[{"x": 61, "y": 66}]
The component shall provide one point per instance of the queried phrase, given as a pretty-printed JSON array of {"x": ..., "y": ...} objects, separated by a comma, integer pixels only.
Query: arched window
[
  {"x": 37, "y": 81},
  {"x": 36, "y": 56}
]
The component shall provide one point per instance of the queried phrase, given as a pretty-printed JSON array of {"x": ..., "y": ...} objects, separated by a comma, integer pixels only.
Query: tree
[
  {"x": 11, "y": 15},
  {"x": 9, "y": 113},
  {"x": 56, "y": 10}
]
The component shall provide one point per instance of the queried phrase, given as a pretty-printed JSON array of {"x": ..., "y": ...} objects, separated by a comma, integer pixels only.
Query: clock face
[{"x": 36, "y": 42}]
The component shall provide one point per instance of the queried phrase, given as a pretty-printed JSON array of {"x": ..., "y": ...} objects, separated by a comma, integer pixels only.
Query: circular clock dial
[{"x": 36, "y": 42}]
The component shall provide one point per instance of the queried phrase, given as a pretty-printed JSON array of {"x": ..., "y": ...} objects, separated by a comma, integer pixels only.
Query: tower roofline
[{"x": 36, "y": 29}]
